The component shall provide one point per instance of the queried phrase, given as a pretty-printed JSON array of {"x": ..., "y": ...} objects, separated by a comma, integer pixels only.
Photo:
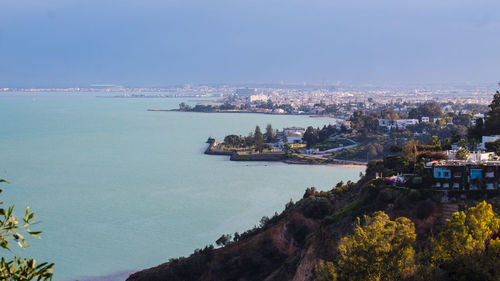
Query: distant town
[
  {"x": 302, "y": 97},
  {"x": 442, "y": 143}
]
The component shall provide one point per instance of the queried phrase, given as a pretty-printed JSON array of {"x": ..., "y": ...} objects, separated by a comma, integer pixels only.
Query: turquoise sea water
[{"x": 117, "y": 188}]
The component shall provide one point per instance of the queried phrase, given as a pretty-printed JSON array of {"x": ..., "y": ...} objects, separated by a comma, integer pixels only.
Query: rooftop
[{"x": 463, "y": 163}]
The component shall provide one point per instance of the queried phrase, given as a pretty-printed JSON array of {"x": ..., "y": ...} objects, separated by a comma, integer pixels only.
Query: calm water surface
[{"x": 117, "y": 188}]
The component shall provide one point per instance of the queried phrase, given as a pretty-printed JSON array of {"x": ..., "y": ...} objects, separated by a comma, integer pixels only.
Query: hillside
[{"x": 290, "y": 245}]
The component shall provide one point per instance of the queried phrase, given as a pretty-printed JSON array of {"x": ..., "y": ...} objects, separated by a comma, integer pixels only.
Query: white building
[
  {"x": 294, "y": 134},
  {"x": 259, "y": 97},
  {"x": 473, "y": 155},
  {"x": 346, "y": 124},
  {"x": 389, "y": 124},
  {"x": 403, "y": 123},
  {"x": 398, "y": 124},
  {"x": 480, "y": 156},
  {"x": 425, "y": 119}
]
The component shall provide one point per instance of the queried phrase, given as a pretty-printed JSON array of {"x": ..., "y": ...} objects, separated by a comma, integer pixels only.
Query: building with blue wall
[{"x": 464, "y": 174}]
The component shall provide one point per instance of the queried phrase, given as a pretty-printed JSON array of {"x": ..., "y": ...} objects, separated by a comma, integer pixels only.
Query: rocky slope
[{"x": 290, "y": 245}]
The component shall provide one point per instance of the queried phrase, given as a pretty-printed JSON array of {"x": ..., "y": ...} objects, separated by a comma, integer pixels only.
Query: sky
[{"x": 153, "y": 43}]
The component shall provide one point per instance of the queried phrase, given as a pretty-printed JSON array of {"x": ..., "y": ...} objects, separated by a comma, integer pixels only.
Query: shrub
[
  {"x": 316, "y": 207},
  {"x": 414, "y": 195},
  {"x": 425, "y": 209}
]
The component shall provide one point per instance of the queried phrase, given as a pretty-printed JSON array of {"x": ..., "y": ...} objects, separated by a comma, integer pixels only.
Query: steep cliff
[{"x": 290, "y": 245}]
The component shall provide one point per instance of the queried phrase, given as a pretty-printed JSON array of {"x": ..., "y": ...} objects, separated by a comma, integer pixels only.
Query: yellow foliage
[
  {"x": 381, "y": 249},
  {"x": 464, "y": 247},
  {"x": 325, "y": 271}
]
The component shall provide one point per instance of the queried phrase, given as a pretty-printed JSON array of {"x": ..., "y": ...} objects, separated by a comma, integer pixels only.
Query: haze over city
[{"x": 159, "y": 43}]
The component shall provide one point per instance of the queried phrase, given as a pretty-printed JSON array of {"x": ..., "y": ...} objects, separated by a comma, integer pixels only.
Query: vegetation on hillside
[
  {"x": 467, "y": 248},
  {"x": 368, "y": 230}
]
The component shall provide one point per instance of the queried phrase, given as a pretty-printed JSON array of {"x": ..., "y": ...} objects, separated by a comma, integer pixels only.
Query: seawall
[
  {"x": 213, "y": 151},
  {"x": 257, "y": 157}
]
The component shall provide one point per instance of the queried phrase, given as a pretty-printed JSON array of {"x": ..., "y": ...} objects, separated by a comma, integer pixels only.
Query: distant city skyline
[{"x": 153, "y": 43}]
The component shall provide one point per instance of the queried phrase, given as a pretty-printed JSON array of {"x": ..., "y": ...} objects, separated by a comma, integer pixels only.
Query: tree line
[{"x": 255, "y": 139}]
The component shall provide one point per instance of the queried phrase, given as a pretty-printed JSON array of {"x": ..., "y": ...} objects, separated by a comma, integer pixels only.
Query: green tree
[
  {"x": 223, "y": 240},
  {"x": 310, "y": 136},
  {"x": 478, "y": 130},
  {"x": 250, "y": 139},
  {"x": 410, "y": 151},
  {"x": 462, "y": 154},
  {"x": 388, "y": 114},
  {"x": 286, "y": 149},
  {"x": 428, "y": 109},
  {"x": 184, "y": 107},
  {"x": 374, "y": 149},
  {"x": 12, "y": 230},
  {"x": 434, "y": 141},
  {"x": 462, "y": 119},
  {"x": 493, "y": 146},
  {"x": 364, "y": 122},
  {"x": 232, "y": 140},
  {"x": 381, "y": 249},
  {"x": 492, "y": 120},
  {"x": 269, "y": 135},
  {"x": 259, "y": 139},
  {"x": 466, "y": 248}
]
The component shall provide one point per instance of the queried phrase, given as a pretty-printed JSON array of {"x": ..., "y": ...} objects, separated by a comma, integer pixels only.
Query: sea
[{"x": 117, "y": 188}]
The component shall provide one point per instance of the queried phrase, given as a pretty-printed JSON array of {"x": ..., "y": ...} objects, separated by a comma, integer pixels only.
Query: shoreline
[
  {"x": 349, "y": 165},
  {"x": 277, "y": 157},
  {"x": 243, "y": 111},
  {"x": 117, "y": 276}
]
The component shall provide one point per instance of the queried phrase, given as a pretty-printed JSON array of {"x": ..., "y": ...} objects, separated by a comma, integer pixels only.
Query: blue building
[{"x": 464, "y": 174}]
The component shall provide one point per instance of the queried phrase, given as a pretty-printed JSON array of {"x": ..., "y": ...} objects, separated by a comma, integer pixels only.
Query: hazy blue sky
[{"x": 157, "y": 43}]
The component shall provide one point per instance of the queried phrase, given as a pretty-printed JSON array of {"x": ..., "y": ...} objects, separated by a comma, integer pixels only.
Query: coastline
[
  {"x": 117, "y": 276},
  {"x": 277, "y": 157},
  {"x": 245, "y": 111},
  {"x": 343, "y": 163}
]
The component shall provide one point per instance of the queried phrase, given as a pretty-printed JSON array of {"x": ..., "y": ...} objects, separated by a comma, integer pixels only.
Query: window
[
  {"x": 476, "y": 174},
  {"x": 442, "y": 173}
]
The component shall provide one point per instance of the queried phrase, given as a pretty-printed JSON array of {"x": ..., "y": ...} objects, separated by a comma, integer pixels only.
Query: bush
[
  {"x": 267, "y": 146},
  {"x": 462, "y": 154},
  {"x": 414, "y": 195},
  {"x": 387, "y": 195},
  {"x": 425, "y": 209},
  {"x": 316, "y": 207}
]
